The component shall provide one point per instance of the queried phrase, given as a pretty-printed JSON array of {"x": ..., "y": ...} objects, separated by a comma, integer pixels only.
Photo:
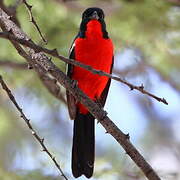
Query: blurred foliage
[{"x": 150, "y": 28}]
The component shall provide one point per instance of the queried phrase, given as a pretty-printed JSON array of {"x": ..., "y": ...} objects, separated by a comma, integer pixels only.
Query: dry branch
[
  {"x": 29, "y": 8},
  {"x": 13, "y": 65},
  {"x": 27, "y": 121},
  {"x": 44, "y": 62},
  {"x": 29, "y": 43},
  {"x": 49, "y": 82},
  {"x": 11, "y": 11}
]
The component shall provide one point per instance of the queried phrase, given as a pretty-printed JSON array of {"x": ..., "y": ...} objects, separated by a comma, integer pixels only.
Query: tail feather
[{"x": 83, "y": 145}]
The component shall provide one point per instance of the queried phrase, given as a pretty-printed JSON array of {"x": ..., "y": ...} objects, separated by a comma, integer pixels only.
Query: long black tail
[{"x": 83, "y": 145}]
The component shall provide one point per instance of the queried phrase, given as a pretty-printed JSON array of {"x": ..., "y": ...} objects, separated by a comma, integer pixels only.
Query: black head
[
  {"x": 89, "y": 14},
  {"x": 93, "y": 13}
]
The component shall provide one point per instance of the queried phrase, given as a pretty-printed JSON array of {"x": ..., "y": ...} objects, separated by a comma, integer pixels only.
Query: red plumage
[
  {"x": 93, "y": 47},
  {"x": 97, "y": 52}
]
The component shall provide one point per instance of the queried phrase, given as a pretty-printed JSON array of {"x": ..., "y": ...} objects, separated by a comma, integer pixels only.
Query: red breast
[{"x": 97, "y": 52}]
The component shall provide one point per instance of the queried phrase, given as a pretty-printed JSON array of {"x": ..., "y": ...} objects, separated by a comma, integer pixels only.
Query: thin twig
[
  {"x": 29, "y": 43},
  {"x": 29, "y": 8},
  {"x": 27, "y": 121}
]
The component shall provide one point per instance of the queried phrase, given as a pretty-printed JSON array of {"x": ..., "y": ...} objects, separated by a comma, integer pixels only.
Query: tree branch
[
  {"x": 11, "y": 11},
  {"x": 29, "y": 43},
  {"x": 49, "y": 82},
  {"x": 29, "y": 8},
  {"x": 27, "y": 121},
  {"x": 14, "y": 65},
  {"x": 43, "y": 61}
]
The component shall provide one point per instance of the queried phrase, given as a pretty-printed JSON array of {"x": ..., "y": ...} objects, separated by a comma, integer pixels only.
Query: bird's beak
[{"x": 94, "y": 15}]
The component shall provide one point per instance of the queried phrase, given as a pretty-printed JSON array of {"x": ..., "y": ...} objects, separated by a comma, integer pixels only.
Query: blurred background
[{"x": 146, "y": 35}]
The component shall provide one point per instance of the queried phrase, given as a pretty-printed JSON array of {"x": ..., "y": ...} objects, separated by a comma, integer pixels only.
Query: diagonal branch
[
  {"x": 11, "y": 11},
  {"x": 49, "y": 82},
  {"x": 29, "y": 43},
  {"x": 27, "y": 121},
  {"x": 29, "y": 8},
  {"x": 44, "y": 62}
]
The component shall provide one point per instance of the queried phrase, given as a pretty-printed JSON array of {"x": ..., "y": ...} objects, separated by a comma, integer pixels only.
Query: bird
[{"x": 92, "y": 46}]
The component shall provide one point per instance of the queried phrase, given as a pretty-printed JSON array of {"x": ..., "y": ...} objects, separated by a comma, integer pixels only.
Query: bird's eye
[
  {"x": 101, "y": 16},
  {"x": 84, "y": 16}
]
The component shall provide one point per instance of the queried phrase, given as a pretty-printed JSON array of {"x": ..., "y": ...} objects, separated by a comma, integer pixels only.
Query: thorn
[
  {"x": 46, "y": 42},
  {"x": 42, "y": 140},
  {"x": 30, "y": 6},
  {"x": 106, "y": 132},
  {"x": 10, "y": 30},
  {"x": 141, "y": 87},
  {"x": 127, "y": 136},
  {"x": 104, "y": 114},
  {"x": 49, "y": 70},
  {"x": 33, "y": 133},
  {"x": 10, "y": 17},
  {"x": 54, "y": 158},
  {"x": 54, "y": 51},
  {"x": 164, "y": 101},
  {"x": 29, "y": 39}
]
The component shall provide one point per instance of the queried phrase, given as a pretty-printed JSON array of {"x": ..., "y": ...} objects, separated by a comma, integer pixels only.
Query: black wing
[
  {"x": 71, "y": 56},
  {"x": 71, "y": 101},
  {"x": 104, "y": 94}
]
